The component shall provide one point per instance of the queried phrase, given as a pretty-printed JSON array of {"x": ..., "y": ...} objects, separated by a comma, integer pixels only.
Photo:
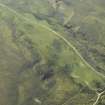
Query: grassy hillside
[
  {"x": 39, "y": 64},
  {"x": 81, "y": 22}
]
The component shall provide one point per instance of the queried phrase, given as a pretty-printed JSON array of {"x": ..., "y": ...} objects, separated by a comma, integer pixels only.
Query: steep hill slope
[{"x": 38, "y": 65}]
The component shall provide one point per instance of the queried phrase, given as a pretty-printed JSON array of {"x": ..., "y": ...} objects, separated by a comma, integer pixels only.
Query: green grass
[{"x": 29, "y": 49}]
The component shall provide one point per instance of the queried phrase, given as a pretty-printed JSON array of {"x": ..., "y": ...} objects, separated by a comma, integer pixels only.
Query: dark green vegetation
[{"x": 39, "y": 64}]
